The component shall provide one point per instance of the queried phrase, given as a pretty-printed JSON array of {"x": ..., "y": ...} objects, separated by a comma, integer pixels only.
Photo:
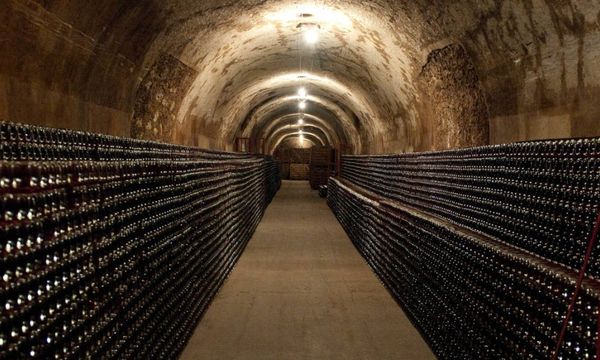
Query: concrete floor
[{"x": 301, "y": 291}]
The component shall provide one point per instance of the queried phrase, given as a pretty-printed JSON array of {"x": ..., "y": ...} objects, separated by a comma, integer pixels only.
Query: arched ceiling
[
  {"x": 314, "y": 138},
  {"x": 331, "y": 113},
  {"x": 273, "y": 140},
  {"x": 261, "y": 60},
  {"x": 315, "y": 128},
  {"x": 294, "y": 142},
  {"x": 291, "y": 121},
  {"x": 384, "y": 76}
]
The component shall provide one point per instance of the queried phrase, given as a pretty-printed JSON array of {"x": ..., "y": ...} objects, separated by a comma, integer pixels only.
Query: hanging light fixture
[
  {"x": 310, "y": 31},
  {"x": 311, "y": 36},
  {"x": 302, "y": 93}
]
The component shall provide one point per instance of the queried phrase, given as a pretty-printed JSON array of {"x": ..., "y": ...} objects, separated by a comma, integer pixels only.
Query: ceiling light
[
  {"x": 311, "y": 35},
  {"x": 300, "y": 121},
  {"x": 302, "y": 105},
  {"x": 310, "y": 32},
  {"x": 301, "y": 132},
  {"x": 302, "y": 93}
]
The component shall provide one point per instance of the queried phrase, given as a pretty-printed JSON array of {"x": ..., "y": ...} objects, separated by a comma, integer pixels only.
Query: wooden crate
[
  {"x": 322, "y": 155},
  {"x": 299, "y": 171},
  {"x": 300, "y": 156}
]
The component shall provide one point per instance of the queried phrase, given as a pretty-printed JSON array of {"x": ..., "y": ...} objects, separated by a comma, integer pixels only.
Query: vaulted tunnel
[
  {"x": 196, "y": 74},
  {"x": 393, "y": 76},
  {"x": 449, "y": 135}
]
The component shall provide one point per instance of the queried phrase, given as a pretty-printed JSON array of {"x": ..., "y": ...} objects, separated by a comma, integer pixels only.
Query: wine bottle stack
[
  {"x": 482, "y": 246},
  {"x": 472, "y": 297},
  {"x": 112, "y": 247},
  {"x": 539, "y": 196}
]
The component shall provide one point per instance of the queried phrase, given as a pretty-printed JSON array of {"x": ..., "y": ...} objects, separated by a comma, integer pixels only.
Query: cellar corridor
[
  {"x": 301, "y": 291},
  {"x": 299, "y": 179}
]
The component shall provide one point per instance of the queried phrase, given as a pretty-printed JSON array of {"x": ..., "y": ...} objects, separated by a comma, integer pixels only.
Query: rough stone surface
[
  {"x": 294, "y": 143},
  {"x": 73, "y": 64},
  {"x": 158, "y": 97},
  {"x": 81, "y": 65},
  {"x": 459, "y": 111}
]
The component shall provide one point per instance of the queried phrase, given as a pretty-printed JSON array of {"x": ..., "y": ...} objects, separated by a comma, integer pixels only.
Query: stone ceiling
[{"x": 385, "y": 75}]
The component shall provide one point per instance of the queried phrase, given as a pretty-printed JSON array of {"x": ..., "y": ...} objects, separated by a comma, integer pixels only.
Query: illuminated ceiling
[{"x": 381, "y": 75}]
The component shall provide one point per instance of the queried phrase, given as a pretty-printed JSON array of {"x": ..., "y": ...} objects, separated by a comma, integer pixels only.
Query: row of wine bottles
[
  {"x": 34, "y": 143},
  {"x": 470, "y": 295},
  {"x": 112, "y": 258},
  {"x": 540, "y": 196}
]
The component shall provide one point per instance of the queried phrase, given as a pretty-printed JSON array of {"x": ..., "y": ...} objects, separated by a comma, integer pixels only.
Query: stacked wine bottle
[
  {"x": 113, "y": 247},
  {"x": 482, "y": 246}
]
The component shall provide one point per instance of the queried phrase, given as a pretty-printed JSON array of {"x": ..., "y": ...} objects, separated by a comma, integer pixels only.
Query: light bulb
[
  {"x": 311, "y": 35},
  {"x": 302, "y": 93},
  {"x": 302, "y": 105},
  {"x": 300, "y": 121},
  {"x": 301, "y": 132}
]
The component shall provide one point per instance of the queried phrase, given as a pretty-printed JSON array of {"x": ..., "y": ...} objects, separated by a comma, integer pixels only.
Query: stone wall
[
  {"x": 72, "y": 66},
  {"x": 453, "y": 99},
  {"x": 159, "y": 97},
  {"x": 382, "y": 76}
]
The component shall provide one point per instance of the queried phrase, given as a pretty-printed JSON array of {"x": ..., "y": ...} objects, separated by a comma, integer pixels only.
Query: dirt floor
[{"x": 302, "y": 291}]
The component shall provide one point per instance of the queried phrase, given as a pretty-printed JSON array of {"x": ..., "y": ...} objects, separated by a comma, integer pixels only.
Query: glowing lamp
[{"x": 302, "y": 93}]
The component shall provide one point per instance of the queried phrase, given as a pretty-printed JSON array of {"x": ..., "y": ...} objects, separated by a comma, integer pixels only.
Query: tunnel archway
[
  {"x": 460, "y": 133},
  {"x": 314, "y": 134},
  {"x": 192, "y": 75},
  {"x": 294, "y": 142},
  {"x": 335, "y": 135},
  {"x": 322, "y": 109},
  {"x": 313, "y": 138},
  {"x": 306, "y": 127}
]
